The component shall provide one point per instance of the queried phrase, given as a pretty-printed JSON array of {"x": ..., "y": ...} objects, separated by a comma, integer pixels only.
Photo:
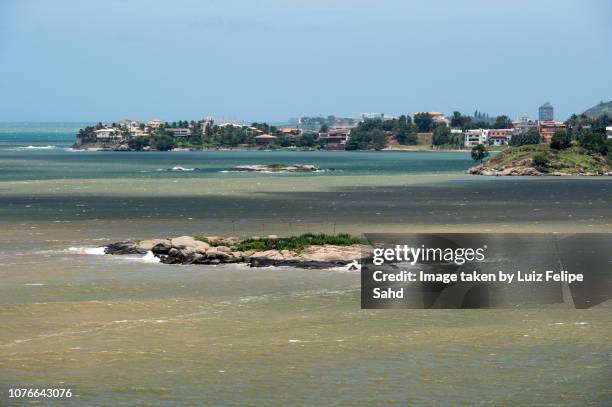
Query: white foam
[
  {"x": 149, "y": 258},
  {"x": 176, "y": 168},
  {"x": 97, "y": 251},
  {"x": 36, "y": 147}
]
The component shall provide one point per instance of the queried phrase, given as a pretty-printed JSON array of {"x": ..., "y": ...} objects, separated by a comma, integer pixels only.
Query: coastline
[{"x": 282, "y": 149}]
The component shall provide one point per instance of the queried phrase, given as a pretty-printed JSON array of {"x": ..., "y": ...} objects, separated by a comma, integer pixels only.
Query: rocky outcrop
[
  {"x": 277, "y": 168},
  {"x": 215, "y": 250},
  {"x": 529, "y": 171},
  {"x": 124, "y": 248},
  {"x": 540, "y": 160},
  {"x": 506, "y": 171}
]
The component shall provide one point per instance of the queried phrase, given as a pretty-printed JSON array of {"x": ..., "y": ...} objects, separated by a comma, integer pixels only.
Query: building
[
  {"x": 154, "y": 124},
  {"x": 265, "y": 140},
  {"x": 136, "y": 132},
  {"x": 474, "y": 137},
  {"x": 334, "y": 139},
  {"x": 546, "y": 112},
  {"x": 549, "y": 127},
  {"x": 292, "y": 134},
  {"x": 107, "y": 134},
  {"x": 179, "y": 132},
  {"x": 499, "y": 137},
  {"x": 523, "y": 124},
  {"x": 609, "y": 133},
  {"x": 371, "y": 116}
]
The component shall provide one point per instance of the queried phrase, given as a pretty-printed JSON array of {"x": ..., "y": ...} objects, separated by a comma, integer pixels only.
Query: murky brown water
[{"x": 118, "y": 330}]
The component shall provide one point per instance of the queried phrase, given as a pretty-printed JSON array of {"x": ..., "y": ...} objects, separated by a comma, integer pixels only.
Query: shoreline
[{"x": 229, "y": 149}]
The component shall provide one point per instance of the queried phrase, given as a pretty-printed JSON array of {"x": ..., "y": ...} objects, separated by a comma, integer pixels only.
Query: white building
[
  {"x": 475, "y": 137},
  {"x": 609, "y": 132},
  {"x": 370, "y": 116},
  {"x": 499, "y": 137},
  {"x": 154, "y": 124},
  {"x": 136, "y": 132},
  {"x": 106, "y": 134}
]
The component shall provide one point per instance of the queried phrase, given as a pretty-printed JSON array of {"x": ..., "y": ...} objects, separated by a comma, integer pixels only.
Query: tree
[
  {"x": 163, "y": 142},
  {"x": 502, "y": 122},
  {"x": 441, "y": 135},
  {"x": 307, "y": 140},
  {"x": 479, "y": 153},
  {"x": 423, "y": 122},
  {"x": 324, "y": 128},
  {"x": 531, "y": 136},
  {"x": 138, "y": 143},
  {"x": 560, "y": 140},
  {"x": 540, "y": 161},
  {"x": 593, "y": 142},
  {"x": 379, "y": 139}
]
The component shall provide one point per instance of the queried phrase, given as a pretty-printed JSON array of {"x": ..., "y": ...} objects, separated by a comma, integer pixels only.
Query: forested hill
[{"x": 599, "y": 110}]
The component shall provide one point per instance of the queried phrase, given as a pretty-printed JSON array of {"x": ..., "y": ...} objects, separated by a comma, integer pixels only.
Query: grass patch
[
  {"x": 574, "y": 159},
  {"x": 297, "y": 243},
  {"x": 201, "y": 238}
]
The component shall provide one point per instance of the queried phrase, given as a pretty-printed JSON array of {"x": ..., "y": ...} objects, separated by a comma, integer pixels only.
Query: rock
[
  {"x": 123, "y": 248},
  {"x": 187, "y": 250},
  {"x": 201, "y": 247},
  {"x": 268, "y": 254},
  {"x": 162, "y": 247},
  {"x": 277, "y": 168},
  {"x": 147, "y": 245},
  {"x": 305, "y": 264},
  {"x": 341, "y": 254},
  {"x": 287, "y": 254},
  {"x": 182, "y": 242}
]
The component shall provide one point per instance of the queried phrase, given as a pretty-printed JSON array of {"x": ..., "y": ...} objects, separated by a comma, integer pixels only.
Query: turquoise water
[{"x": 43, "y": 152}]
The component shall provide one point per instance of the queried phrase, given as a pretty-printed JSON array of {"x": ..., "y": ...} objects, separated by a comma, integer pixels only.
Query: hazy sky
[{"x": 73, "y": 60}]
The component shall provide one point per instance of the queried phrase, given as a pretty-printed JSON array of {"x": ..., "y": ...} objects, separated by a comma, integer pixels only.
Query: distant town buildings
[
  {"x": 370, "y": 116},
  {"x": 546, "y": 112},
  {"x": 335, "y": 139},
  {"x": 292, "y": 134},
  {"x": 179, "y": 132},
  {"x": 524, "y": 123},
  {"x": 265, "y": 140},
  {"x": 549, "y": 127},
  {"x": 500, "y": 137},
  {"x": 106, "y": 134},
  {"x": 474, "y": 137},
  {"x": 154, "y": 124}
]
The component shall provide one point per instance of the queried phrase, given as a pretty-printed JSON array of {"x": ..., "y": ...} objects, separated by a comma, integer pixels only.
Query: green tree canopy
[{"x": 479, "y": 153}]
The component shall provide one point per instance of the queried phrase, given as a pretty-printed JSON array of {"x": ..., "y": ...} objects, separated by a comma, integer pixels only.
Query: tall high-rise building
[{"x": 546, "y": 112}]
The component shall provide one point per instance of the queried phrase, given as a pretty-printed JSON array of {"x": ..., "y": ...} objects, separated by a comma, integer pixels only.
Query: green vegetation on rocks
[
  {"x": 543, "y": 160},
  {"x": 298, "y": 243}
]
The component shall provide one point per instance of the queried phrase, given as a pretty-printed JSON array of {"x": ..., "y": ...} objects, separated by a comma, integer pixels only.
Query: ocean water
[
  {"x": 121, "y": 329},
  {"x": 44, "y": 153}
]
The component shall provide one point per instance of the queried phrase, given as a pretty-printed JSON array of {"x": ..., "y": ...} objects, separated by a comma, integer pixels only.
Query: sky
[{"x": 269, "y": 60}]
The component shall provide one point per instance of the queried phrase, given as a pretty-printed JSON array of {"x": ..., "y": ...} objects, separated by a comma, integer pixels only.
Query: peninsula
[{"x": 423, "y": 131}]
